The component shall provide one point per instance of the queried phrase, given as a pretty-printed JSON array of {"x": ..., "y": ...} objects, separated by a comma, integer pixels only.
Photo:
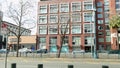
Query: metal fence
[{"x": 63, "y": 55}]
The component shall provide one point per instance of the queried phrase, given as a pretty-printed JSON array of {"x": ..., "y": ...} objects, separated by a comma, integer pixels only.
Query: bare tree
[
  {"x": 21, "y": 14},
  {"x": 63, "y": 35}
]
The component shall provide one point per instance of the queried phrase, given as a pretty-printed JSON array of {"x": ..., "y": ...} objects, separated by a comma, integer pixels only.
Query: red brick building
[{"x": 88, "y": 25}]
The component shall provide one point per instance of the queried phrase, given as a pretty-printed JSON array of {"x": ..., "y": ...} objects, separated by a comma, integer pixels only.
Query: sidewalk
[{"x": 65, "y": 59}]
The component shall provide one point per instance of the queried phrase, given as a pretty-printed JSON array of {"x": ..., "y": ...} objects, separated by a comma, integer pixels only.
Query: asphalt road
[{"x": 58, "y": 63}]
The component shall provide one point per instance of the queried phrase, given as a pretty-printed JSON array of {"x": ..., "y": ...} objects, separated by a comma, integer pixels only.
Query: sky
[{"x": 4, "y": 6}]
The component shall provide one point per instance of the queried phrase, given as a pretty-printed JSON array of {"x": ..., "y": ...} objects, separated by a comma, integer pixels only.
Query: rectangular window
[
  {"x": 53, "y": 41},
  {"x": 108, "y": 38},
  {"x": 76, "y": 29},
  {"x": 53, "y": 29},
  {"x": 64, "y": 7},
  {"x": 99, "y": 4},
  {"x": 76, "y": 6},
  {"x": 100, "y": 21},
  {"x": 43, "y": 29},
  {"x": 88, "y": 28},
  {"x": 54, "y": 8},
  {"x": 88, "y": 5},
  {"x": 76, "y": 17},
  {"x": 64, "y": 29},
  {"x": 43, "y": 19},
  {"x": 100, "y": 15},
  {"x": 89, "y": 41},
  {"x": 87, "y": 17},
  {"x": 53, "y": 19},
  {"x": 64, "y": 18},
  {"x": 101, "y": 33},
  {"x": 76, "y": 40},
  {"x": 42, "y": 41},
  {"x": 43, "y": 9},
  {"x": 108, "y": 33},
  {"x": 100, "y": 39},
  {"x": 65, "y": 41},
  {"x": 99, "y": 10}
]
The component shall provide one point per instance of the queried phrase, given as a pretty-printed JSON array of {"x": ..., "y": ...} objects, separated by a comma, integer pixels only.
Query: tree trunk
[
  {"x": 17, "y": 54},
  {"x": 59, "y": 52}
]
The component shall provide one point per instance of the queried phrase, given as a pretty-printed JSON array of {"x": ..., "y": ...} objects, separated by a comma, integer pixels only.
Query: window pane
[
  {"x": 64, "y": 18},
  {"x": 100, "y": 33},
  {"x": 108, "y": 38},
  {"x": 64, "y": 8},
  {"x": 76, "y": 29},
  {"x": 53, "y": 18},
  {"x": 43, "y": 9},
  {"x": 43, "y": 19},
  {"x": 76, "y": 6},
  {"x": 99, "y": 10},
  {"x": 88, "y": 28},
  {"x": 88, "y": 5},
  {"x": 53, "y": 41},
  {"x": 87, "y": 17},
  {"x": 42, "y": 29},
  {"x": 99, "y": 4},
  {"x": 100, "y": 15},
  {"x": 100, "y": 39},
  {"x": 42, "y": 41},
  {"x": 64, "y": 28},
  {"x": 89, "y": 40},
  {"x": 100, "y": 21},
  {"x": 76, "y": 40},
  {"x": 76, "y": 17},
  {"x": 53, "y": 29},
  {"x": 54, "y": 8}
]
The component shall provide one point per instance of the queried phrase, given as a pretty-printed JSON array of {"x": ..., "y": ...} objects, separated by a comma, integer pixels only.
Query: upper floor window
[
  {"x": 43, "y": 19},
  {"x": 54, "y": 8},
  {"x": 87, "y": 17},
  {"x": 76, "y": 17},
  {"x": 53, "y": 29},
  {"x": 99, "y": 10},
  {"x": 53, "y": 18},
  {"x": 76, "y": 29},
  {"x": 100, "y": 21},
  {"x": 99, "y": 15},
  {"x": 100, "y": 28},
  {"x": 76, "y": 6},
  {"x": 88, "y": 28},
  {"x": 64, "y": 7},
  {"x": 117, "y": 0},
  {"x": 99, "y": 4},
  {"x": 88, "y": 5},
  {"x": 43, "y": 29},
  {"x": 64, "y": 18},
  {"x": 43, "y": 9},
  {"x": 64, "y": 28}
]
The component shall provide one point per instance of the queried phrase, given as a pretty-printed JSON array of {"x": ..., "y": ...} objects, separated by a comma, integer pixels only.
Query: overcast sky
[{"x": 4, "y": 8}]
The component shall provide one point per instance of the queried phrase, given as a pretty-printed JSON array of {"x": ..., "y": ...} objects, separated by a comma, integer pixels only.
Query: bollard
[
  {"x": 70, "y": 66},
  {"x": 40, "y": 65},
  {"x": 105, "y": 66},
  {"x": 13, "y": 65}
]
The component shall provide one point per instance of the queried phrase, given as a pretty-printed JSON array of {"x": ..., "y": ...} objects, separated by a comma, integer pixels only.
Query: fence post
[
  {"x": 13, "y": 65},
  {"x": 70, "y": 66},
  {"x": 105, "y": 66},
  {"x": 40, "y": 65}
]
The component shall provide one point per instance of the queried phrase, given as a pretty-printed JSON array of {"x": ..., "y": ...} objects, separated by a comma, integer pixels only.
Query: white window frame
[
  {"x": 64, "y": 7},
  {"x": 89, "y": 30},
  {"x": 76, "y": 17},
  {"x": 43, "y": 29},
  {"x": 43, "y": 7},
  {"x": 54, "y": 8},
  {"x": 76, "y": 6},
  {"x": 53, "y": 17},
  {"x": 42, "y": 17}
]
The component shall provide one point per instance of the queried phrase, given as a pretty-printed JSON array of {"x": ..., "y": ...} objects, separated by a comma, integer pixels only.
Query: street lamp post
[{"x": 95, "y": 46}]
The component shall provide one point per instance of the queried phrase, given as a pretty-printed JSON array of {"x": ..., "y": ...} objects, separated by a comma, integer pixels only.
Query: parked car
[
  {"x": 41, "y": 51},
  {"x": 114, "y": 52},
  {"x": 2, "y": 50},
  {"x": 78, "y": 51},
  {"x": 25, "y": 50}
]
